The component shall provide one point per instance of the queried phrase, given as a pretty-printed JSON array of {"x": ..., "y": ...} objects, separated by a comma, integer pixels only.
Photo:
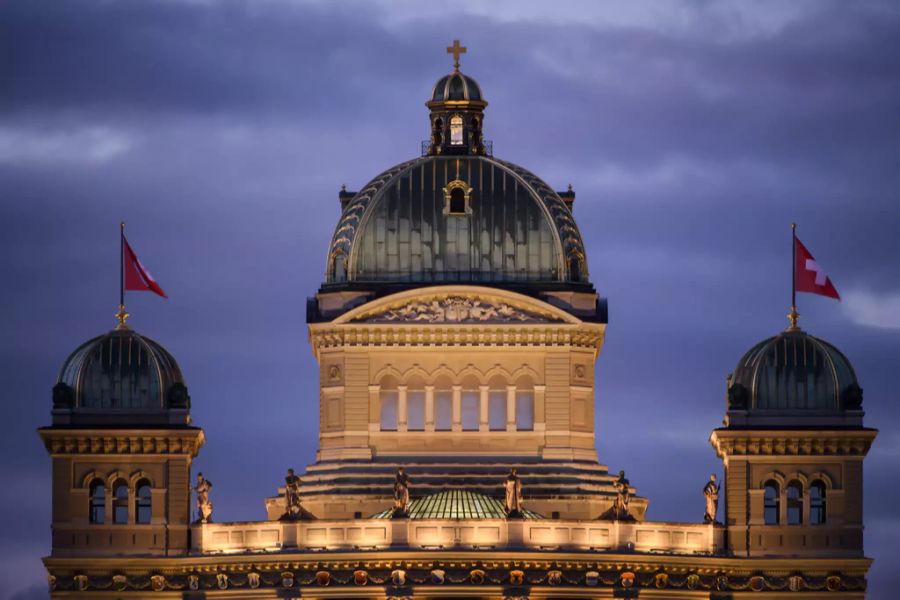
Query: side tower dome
[
  {"x": 790, "y": 376},
  {"x": 116, "y": 376}
]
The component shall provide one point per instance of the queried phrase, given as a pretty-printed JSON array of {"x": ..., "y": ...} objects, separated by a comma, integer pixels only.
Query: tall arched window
[
  {"x": 794, "y": 503},
  {"x": 456, "y": 130},
  {"x": 415, "y": 405},
  {"x": 142, "y": 502},
  {"x": 443, "y": 404},
  {"x": 388, "y": 397},
  {"x": 771, "y": 503},
  {"x": 816, "y": 503},
  {"x": 497, "y": 404},
  {"x": 97, "y": 512},
  {"x": 524, "y": 404},
  {"x": 120, "y": 502},
  {"x": 470, "y": 404}
]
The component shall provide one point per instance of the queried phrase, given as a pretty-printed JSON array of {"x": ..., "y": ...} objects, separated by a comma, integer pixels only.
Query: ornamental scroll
[{"x": 457, "y": 309}]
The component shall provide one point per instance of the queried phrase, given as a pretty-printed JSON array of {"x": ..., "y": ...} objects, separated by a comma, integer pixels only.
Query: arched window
[
  {"x": 771, "y": 503},
  {"x": 415, "y": 405},
  {"x": 339, "y": 267},
  {"x": 497, "y": 404},
  {"x": 817, "y": 503},
  {"x": 97, "y": 513},
  {"x": 470, "y": 404},
  {"x": 524, "y": 405},
  {"x": 120, "y": 502},
  {"x": 388, "y": 404},
  {"x": 456, "y": 130},
  {"x": 794, "y": 503},
  {"x": 443, "y": 404},
  {"x": 142, "y": 504}
]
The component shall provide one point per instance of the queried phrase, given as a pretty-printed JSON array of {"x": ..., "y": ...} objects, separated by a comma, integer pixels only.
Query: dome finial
[
  {"x": 122, "y": 316},
  {"x": 793, "y": 316},
  {"x": 456, "y": 50}
]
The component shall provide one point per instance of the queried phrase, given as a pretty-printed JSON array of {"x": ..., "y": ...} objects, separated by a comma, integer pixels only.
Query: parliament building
[{"x": 456, "y": 332}]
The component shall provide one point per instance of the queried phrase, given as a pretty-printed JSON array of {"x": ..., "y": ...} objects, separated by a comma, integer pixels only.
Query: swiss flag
[
  {"x": 809, "y": 276},
  {"x": 137, "y": 278}
]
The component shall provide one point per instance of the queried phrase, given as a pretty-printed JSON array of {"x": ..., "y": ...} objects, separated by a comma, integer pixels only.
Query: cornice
[
  {"x": 66, "y": 441},
  {"x": 812, "y": 442}
]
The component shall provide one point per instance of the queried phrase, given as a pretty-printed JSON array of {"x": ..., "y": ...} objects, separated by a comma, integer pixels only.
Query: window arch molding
[
  {"x": 139, "y": 475},
  {"x": 824, "y": 478},
  {"x": 387, "y": 371},
  {"x": 416, "y": 375},
  {"x": 92, "y": 476},
  {"x": 771, "y": 476},
  {"x": 800, "y": 477},
  {"x": 522, "y": 373},
  {"x": 470, "y": 372},
  {"x": 113, "y": 477}
]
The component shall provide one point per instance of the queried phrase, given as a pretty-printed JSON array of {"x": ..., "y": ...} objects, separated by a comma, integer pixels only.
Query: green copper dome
[
  {"x": 456, "y": 86},
  {"x": 457, "y": 504}
]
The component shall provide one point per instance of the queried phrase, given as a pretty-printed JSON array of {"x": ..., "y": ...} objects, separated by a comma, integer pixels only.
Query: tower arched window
[
  {"x": 142, "y": 502},
  {"x": 97, "y": 510},
  {"x": 415, "y": 405},
  {"x": 817, "y": 503},
  {"x": 470, "y": 404},
  {"x": 443, "y": 404},
  {"x": 388, "y": 404},
  {"x": 794, "y": 503},
  {"x": 456, "y": 130},
  {"x": 497, "y": 396},
  {"x": 524, "y": 405},
  {"x": 771, "y": 503},
  {"x": 120, "y": 502}
]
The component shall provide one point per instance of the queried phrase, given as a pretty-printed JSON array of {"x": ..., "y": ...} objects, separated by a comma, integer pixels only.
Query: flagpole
[
  {"x": 122, "y": 315},
  {"x": 794, "y": 315}
]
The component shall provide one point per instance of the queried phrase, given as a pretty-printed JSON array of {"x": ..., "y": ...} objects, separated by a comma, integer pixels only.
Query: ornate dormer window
[
  {"x": 456, "y": 130},
  {"x": 456, "y": 198}
]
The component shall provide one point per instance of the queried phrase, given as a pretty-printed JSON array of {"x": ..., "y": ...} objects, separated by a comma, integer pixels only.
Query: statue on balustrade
[
  {"x": 204, "y": 505},
  {"x": 619, "y": 510},
  {"x": 513, "y": 497},
  {"x": 711, "y": 493},
  {"x": 401, "y": 495},
  {"x": 293, "y": 509}
]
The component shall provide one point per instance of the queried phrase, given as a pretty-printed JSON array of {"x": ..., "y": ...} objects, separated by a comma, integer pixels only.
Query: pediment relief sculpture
[{"x": 457, "y": 309}]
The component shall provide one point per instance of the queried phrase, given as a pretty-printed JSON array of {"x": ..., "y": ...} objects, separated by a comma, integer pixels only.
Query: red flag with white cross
[{"x": 809, "y": 276}]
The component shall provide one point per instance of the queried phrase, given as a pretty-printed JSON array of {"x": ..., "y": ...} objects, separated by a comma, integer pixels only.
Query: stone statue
[
  {"x": 619, "y": 510},
  {"x": 292, "y": 494},
  {"x": 711, "y": 492},
  {"x": 513, "y": 497},
  {"x": 204, "y": 506},
  {"x": 401, "y": 494}
]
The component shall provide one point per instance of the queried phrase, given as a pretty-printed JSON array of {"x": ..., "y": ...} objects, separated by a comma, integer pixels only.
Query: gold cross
[{"x": 456, "y": 50}]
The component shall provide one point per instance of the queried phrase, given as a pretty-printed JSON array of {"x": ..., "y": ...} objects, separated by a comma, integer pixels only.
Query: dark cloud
[{"x": 221, "y": 132}]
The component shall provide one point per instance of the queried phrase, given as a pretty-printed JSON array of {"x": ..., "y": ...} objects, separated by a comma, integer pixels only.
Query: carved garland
[
  {"x": 402, "y": 575},
  {"x": 456, "y": 309}
]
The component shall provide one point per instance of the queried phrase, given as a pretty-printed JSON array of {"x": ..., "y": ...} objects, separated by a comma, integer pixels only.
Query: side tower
[
  {"x": 122, "y": 445},
  {"x": 456, "y": 333},
  {"x": 793, "y": 447}
]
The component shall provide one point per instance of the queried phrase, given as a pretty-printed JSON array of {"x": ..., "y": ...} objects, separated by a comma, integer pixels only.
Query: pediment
[{"x": 457, "y": 304}]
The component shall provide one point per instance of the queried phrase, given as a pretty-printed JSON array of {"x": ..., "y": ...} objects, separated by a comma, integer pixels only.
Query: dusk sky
[{"x": 693, "y": 134}]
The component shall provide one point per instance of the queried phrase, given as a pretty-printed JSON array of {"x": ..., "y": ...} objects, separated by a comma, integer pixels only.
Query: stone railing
[{"x": 369, "y": 534}]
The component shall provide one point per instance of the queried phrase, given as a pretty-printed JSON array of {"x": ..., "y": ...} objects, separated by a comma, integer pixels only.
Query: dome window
[
  {"x": 456, "y": 130},
  {"x": 456, "y": 198}
]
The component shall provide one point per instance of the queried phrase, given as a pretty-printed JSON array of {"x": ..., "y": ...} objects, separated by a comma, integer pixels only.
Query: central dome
[{"x": 456, "y": 219}]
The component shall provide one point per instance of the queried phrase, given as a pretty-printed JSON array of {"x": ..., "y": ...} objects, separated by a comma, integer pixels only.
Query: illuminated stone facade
[{"x": 456, "y": 333}]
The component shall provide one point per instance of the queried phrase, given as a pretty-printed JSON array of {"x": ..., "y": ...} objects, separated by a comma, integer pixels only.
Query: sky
[{"x": 693, "y": 134}]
